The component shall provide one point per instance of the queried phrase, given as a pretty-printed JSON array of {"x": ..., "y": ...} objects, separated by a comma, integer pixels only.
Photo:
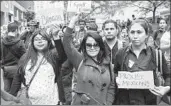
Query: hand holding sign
[{"x": 160, "y": 90}]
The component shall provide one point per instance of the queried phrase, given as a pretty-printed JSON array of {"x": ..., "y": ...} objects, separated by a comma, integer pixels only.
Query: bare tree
[{"x": 151, "y": 6}]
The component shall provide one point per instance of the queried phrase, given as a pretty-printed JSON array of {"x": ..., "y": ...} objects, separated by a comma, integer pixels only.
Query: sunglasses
[{"x": 89, "y": 46}]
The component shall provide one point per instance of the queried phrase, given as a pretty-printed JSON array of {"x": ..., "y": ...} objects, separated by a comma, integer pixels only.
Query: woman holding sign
[
  {"x": 138, "y": 57},
  {"x": 93, "y": 81}
]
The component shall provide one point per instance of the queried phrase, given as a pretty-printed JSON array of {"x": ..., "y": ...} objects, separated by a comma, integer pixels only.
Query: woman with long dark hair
[
  {"x": 93, "y": 80},
  {"x": 135, "y": 58},
  {"x": 46, "y": 87}
]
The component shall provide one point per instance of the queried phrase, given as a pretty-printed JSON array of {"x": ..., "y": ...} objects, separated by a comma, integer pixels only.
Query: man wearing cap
[{"x": 26, "y": 35}]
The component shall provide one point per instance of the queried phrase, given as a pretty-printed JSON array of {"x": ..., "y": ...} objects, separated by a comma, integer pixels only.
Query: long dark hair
[
  {"x": 98, "y": 39},
  {"x": 31, "y": 53}
]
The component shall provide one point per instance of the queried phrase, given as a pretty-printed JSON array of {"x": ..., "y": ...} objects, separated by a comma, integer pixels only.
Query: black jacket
[
  {"x": 12, "y": 48},
  {"x": 125, "y": 96}
]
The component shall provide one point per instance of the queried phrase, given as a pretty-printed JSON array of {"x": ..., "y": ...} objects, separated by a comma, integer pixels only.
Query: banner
[
  {"x": 79, "y": 6},
  {"x": 135, "y": 80},
  {"x": 50, "y": 16}
]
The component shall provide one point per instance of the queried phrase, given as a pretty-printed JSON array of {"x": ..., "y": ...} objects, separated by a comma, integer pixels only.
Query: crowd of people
[{"x": 77, "y": 64}]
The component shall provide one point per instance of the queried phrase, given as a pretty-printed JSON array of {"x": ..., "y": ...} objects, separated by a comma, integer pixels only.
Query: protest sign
[
  {"x": 50, "y": 16},
  {"x": 79, "y": 6},
  {"x": 135, "y": 80}
]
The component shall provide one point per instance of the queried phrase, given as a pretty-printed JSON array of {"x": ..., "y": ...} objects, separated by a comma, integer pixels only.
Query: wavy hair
[
  {"x": 94, "y": 34},
  {"x": 31, "y": 53}
]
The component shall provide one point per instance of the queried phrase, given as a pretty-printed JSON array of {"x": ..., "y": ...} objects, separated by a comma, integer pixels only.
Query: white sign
[
  {"x": 135, "y": 80},
  {"x": 50, "y": 16},
  {"x": 79, "y": 6}
]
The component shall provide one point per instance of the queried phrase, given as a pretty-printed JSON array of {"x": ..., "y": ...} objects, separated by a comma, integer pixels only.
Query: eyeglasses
[
  {"x": 89, "y": 46},
  {"x": 42, "y": 39}
]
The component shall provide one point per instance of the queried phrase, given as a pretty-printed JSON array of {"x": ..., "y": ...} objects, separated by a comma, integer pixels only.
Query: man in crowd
[
  {"x": 81, "y": 32},
  {"x": 12, "y": 48},
  {"x": 111, "y": 41},
  {"x": 26, "y": 35}
]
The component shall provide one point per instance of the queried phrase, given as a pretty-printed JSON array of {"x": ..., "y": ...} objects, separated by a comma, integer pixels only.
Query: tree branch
[
  {"x": 150, "y": 1},
  {"x": 160, "y": 3},
  {"x": 142, "y": 7},
  {"x": 94, "y": 10}
]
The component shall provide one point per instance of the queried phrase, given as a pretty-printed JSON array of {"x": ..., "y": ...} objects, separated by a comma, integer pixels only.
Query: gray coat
[{"x": 90, "y": 79}]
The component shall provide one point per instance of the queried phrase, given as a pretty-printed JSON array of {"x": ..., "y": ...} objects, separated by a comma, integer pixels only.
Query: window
[
  {"x": 10, "y": 18},
  {"x": 15, "y": 12}
]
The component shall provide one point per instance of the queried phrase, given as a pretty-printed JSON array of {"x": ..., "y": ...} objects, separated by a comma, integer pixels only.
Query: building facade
[{"x": 14, "y": 10}]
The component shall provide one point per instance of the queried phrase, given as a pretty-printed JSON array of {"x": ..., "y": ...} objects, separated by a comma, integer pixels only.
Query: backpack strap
[
  {"x": 159, "y": 60},
  {"x": 79, "y": 65},
  {"x": 160, "y": 55}
]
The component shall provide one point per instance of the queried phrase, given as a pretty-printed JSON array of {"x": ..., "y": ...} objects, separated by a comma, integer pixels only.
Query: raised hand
[
  {"x": 54, "y": 33},
  {"x": 73, "y": 20}
]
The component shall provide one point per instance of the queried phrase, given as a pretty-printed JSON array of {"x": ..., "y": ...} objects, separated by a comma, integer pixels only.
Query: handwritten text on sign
[
  {"x": 77, "y": 6},
  {"x": 50, "y": 16},
  {"x": 135, "y": 80}
]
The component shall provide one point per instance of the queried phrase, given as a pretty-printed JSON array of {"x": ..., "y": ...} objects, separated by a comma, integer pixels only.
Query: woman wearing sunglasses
[{"x": 93, "y": 82}]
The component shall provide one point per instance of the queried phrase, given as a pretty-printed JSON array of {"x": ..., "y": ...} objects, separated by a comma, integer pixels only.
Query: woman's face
[
  {"x": 162, "y": 24},
  {"x": 40, "y": 43},
  {"x": 150, "y": 41},
  {"x": 92, "y": 48},
  {"x": 137, "y": 34}
]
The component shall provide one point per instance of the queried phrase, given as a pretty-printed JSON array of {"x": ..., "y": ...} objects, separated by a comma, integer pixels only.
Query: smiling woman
[
  {"x": 39, "y": 70},
  {"x": 93, "y": 81}
]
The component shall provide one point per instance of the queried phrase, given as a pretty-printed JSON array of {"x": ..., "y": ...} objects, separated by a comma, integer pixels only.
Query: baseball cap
[{"x": 32, "y": 23}]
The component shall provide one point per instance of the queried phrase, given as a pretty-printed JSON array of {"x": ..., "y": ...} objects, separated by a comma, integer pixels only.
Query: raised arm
[
  {"x": 61, "y": 53},
  {"x": 58, "y": 45},
  {"x": 72, "y": 53}
]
